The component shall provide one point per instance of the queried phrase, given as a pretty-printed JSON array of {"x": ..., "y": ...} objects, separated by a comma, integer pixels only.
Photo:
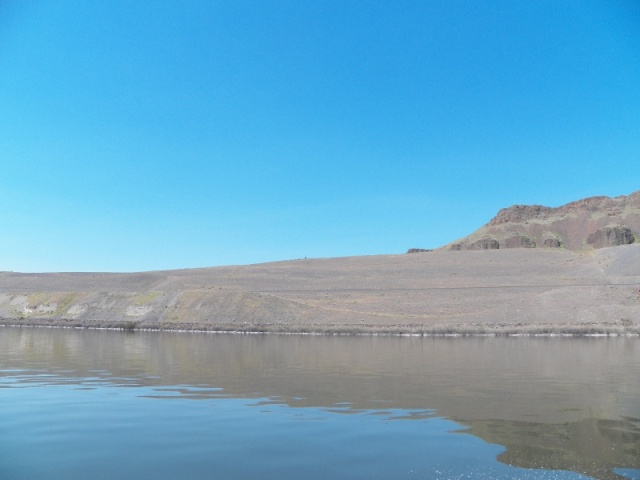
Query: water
[{"x": 102, "y": 405}]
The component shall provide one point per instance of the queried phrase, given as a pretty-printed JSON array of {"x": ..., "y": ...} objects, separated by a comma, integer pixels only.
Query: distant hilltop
[{"x": 594, "y": 222}]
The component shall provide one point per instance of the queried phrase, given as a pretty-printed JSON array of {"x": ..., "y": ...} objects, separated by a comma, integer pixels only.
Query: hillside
[
  {"x": 487, "y": 291},
  {"x": 591, "y": 223},
  {"x": 573, "y": 284}
]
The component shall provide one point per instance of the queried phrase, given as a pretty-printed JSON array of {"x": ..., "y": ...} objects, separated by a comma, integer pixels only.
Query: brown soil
[{"x": 501, "y": 291}]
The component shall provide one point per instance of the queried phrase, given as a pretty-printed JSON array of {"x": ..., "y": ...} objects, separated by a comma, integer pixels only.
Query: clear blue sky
[{"x": 150, "y": 135}]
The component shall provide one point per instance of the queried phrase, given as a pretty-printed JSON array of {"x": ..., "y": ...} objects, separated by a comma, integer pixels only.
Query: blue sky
[{"x": 155, "y": 135}]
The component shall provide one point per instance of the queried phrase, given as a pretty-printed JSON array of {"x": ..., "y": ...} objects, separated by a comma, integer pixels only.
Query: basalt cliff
[{"x": 591, "y": 223}]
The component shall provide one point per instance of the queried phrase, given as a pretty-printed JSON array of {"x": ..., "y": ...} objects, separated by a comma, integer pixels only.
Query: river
[{"x": 105, "y": 404}]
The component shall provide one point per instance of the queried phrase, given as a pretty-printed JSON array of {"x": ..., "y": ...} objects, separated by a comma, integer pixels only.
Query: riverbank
[
  {"x": 604, "y": 329},
  {"x": 493, "y": 292}
]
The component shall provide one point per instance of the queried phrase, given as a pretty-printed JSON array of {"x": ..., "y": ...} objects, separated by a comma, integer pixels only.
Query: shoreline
[{"x": 604, "y": 329}]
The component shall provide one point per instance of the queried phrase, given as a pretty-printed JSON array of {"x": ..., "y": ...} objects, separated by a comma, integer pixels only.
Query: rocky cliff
[{"x": 594, "y": 222}]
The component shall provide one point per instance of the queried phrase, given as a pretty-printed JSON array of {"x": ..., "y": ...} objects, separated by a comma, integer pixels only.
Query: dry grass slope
[{"x": 491, "y": 292}]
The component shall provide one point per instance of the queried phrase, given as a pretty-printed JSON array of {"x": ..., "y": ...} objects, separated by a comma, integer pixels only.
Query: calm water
[{"x": 104, "y": 405}]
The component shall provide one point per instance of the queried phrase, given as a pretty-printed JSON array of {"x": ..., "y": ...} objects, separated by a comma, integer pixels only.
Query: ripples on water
[{"x": 97, "y": 404}]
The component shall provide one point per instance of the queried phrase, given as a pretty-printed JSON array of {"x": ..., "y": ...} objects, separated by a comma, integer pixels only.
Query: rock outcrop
[
  {"x": 594, "y": 222},
  {"x": 519, "y": 241},
  {"x": 486, "y": 243},
  {"x": 552, "y": 242},
  {"x": 611, "y": 236}
]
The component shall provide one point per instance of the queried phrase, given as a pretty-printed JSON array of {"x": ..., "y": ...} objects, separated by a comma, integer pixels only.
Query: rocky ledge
[{"x": 594, "y": 222}]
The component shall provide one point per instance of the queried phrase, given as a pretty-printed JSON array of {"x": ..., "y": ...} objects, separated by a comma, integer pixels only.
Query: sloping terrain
[
  {"x": 586, "y": 224},
  {"x": 476, "y": 291},
  {"x": 531, "y": 269}
]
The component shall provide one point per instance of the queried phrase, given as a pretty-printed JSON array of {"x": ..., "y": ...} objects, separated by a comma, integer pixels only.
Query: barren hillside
[
  {"x": 573, "y": 284},
  {"x": 513, "y": 290},
  {"x": 590, "y": 223}
]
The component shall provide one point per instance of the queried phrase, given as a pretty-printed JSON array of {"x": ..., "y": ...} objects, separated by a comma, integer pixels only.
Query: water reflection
[{"x": 553, "y": 403}]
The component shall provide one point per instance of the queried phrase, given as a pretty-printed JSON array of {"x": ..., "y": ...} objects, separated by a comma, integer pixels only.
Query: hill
[
  {"x": 594, "y": 222},
  {"x": 480, "y": 284}
]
